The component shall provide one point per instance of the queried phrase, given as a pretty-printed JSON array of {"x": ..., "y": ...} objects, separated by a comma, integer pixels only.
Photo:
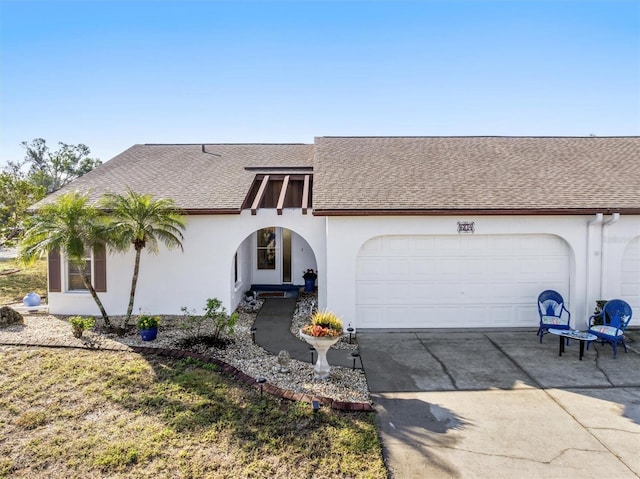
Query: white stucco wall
[
  {"x": 173, "y": 279},
  {"x": 619, "y": 239},
  {"x": 345, "y": 236}
]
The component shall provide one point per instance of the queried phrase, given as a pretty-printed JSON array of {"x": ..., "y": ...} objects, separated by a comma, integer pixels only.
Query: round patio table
[{"x": 573, "y": 334}]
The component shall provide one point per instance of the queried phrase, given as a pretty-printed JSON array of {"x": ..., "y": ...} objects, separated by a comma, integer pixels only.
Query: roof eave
[
  {"x": 478, "y": 212},
  {"x": 211, "y": 211}
]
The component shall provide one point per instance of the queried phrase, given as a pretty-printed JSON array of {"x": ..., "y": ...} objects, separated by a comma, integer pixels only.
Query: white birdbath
[{"x": 322, "y": 345}]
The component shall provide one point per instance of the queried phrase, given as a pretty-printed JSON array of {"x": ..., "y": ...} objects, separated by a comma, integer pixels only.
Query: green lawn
[
  {"x": 14, "y": 286},
  {"x": 93, "y": 414}
]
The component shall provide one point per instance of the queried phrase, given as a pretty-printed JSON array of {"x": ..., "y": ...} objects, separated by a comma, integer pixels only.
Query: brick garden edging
[{"x": 225, "y": 368}]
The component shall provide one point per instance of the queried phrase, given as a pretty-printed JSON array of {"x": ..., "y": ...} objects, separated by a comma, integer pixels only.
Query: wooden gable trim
[
  {"x": 259, "y": 195},
  {"x": 283, "y": 194},
  {"x": 305, "y": 194}
]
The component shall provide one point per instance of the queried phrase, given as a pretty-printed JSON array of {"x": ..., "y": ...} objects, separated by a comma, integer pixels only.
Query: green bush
[
  {"x": 146, "y": 321},
  {"x": 215, "y": 314},
  {"x": 222, "y": 322},
  {"x": 80, "y": 324},
  {"x": 192, "y": 323}
]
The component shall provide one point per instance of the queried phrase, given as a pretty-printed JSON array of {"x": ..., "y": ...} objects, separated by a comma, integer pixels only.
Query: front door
[{"x": 273, "y": 256}]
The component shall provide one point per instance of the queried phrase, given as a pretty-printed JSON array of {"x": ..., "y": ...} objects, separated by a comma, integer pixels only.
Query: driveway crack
[
  {"x": 514, "y": 362},
  {"x": 441, "y": 363}
]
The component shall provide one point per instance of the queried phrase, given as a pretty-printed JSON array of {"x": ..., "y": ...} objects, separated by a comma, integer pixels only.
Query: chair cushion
[
  {"x": 608, "y": 330},
  {"x": 550, "y": 307},
  {"x": 552, "y": 320}
]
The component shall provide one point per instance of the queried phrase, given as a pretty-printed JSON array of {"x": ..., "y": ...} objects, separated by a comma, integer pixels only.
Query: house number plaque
[{"x": 466, "y": 227}]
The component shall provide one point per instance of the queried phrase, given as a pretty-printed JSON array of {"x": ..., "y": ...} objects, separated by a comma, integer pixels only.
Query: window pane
[
  {"x": 267, "y": 237},
  {"x": 75, "y": 280},
  {"x": 286, "y": 255},
  {"x": 235, "y": 268},
  {"x": 267, "y": 248},
  {"x": 266, "y": 259}
]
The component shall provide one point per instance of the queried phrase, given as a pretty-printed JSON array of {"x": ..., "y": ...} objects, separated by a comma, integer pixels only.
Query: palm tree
[
  {"x": 70, "y": 225},
  {"x": 142, "y": 221}
]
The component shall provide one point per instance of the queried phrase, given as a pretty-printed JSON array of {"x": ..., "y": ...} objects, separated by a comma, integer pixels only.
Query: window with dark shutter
[
  {"x": 55, "y": 280},
  {"x": 100, "y": 268}
]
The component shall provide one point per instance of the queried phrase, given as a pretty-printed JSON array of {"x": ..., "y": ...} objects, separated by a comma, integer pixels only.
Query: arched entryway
[{"x": 273, "y": 255}]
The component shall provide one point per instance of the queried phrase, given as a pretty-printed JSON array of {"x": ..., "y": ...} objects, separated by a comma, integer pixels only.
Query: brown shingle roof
[
  {"x": 433, "y": 174},
  {"x": 392, "y": 175},
  {"x": 215, "y": 179}
]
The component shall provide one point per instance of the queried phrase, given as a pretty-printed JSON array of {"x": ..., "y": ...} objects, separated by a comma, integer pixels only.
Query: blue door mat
[{"x": 276, "y": 290}]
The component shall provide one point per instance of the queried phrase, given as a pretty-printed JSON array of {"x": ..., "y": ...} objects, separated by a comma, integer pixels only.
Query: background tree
[
  {"x": 143, "y": 222},
  {"x": 53, "y": 170},
  {"x": 16, "y": 195},
  {"x": 70, "y": 225}
]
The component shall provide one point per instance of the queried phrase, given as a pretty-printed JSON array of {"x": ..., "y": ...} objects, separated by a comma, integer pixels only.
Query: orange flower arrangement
[{"x": 324, "y": 323}]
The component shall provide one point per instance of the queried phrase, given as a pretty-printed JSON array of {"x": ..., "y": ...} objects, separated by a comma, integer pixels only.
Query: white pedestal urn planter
[{"x": 322, "y": 345}]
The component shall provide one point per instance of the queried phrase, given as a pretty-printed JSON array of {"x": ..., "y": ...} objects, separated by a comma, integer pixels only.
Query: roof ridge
[
  {"x": 226, "y": 144},
  {"x": 483, "y": 136}
]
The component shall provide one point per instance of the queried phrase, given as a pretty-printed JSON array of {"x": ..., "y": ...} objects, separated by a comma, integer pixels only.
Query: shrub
[
  {"x": 80, "y": 324},
  {"x": 222, "y": 322},
  {"x": 192, "y": 323},
  {"x": 214, "y": 313},
  {"x": 146, "y": 321}
]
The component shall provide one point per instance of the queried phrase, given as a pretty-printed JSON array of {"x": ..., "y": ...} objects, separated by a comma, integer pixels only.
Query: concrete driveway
[{"x": 491, "y": 404}]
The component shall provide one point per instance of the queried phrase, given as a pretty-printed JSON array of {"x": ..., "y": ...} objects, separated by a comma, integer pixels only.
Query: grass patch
[
  {"x": 108, "y": 414},
  {"x": 14, "y": 286}
]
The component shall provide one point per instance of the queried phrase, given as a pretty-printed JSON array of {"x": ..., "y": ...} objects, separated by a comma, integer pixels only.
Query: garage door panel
[
  {"x": 399, "y": 292},
  {"x": 424, "y": 245},
  {"x": 397, "y": 268},
  {"x": 420, "y": 267},
  {"x": 473, "y": 281},
  {"x": 372, "y": 247},
  {"x": 630, "y": 275},
  {"x": 397, "y": 245},
  {"x": 501, "y": 266},
  {"x": 370, "y": 293},
  {"x": 370, "y": 268},
  {"x": 502, "y": 244},
  {"x": 477, "y": 267},
  {"x": 448, "y": 245},
  {"x": 370, "y": 317}
]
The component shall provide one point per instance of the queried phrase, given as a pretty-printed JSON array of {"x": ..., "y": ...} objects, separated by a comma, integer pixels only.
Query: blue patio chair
[
  {"x": 552, "y": 312},
  {"x": 615, "y": 317}
]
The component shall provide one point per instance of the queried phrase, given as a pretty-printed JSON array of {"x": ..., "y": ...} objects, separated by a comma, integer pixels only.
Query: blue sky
[{"x": 114, "y": 73}]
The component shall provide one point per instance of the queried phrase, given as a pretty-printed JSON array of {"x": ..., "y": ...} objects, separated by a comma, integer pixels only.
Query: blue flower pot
[
  {"x": 309, "y": 285},
  {"x": 148, "y": 334},
  {"x": 31, "y": 300}
]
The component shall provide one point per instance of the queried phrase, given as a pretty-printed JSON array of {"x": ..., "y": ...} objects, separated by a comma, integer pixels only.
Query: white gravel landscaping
[{"x": 344, "y": 384}]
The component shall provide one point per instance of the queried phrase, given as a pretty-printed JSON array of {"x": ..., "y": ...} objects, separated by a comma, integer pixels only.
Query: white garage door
[
  {"x": 457, "y": 281},
  {"x": 631, "y": 277}
]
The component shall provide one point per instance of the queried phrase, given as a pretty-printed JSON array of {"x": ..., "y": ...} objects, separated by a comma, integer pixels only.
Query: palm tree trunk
[
  {"x": 94, "y": 295},
  {"x": 134, "y": 282}
]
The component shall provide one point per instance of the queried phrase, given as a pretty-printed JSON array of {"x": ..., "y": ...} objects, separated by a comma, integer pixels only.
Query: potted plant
[
  {"x": 80, "y": 324},
  {"x": 324, "y": 331},
  {"x": 597, "y": 312},
  {"x": 148, "y": 326},
  {"x": 309, "y": 277}
]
